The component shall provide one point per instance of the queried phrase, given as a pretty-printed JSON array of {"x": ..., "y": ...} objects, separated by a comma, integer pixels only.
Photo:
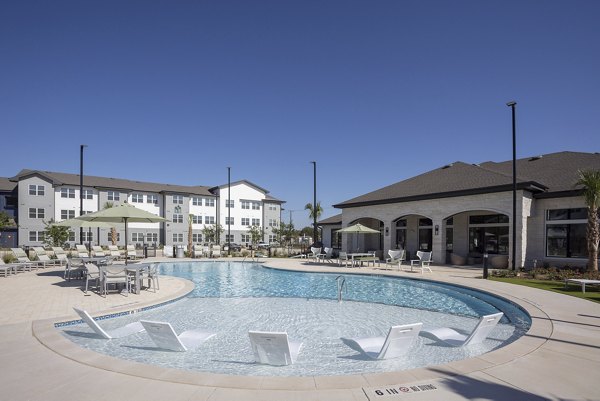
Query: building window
[
  {"x": 246, "y": 238},
  {"x": 336, "y": 239},
  {"x": 37, "y": 190},
  {"x": 272, "y": 207},
  {"x": 450, "y": 234},
  {"x": 67, "y": 214},
  {"x": 112, "y": 196},
  {"x": 137, "y": 237},
  {"x": 196, "y": 219},
  {"x": 255, "y": 206},
  {"x": 36, "y": 213},
  {"x": 229, "y": 220},
  {"x": 488, "y": 234},
  {"x": 229, "y": 238},
  {"x": 272, "y": 238},
  {"x": 245, "y": 204},
  {"x": 71, "y": 236},
  {"x": 36, "y": 236},
  {"x": 256, "y": 222},
  {"x": 87, "y": 194},
  {"x": 109, "y": 237},
  {"x": 401, "y": 234},
  {"x": 137, "y": 198},
  {"x": 245, "y": 221},
  {"x": 229, "y": 203},
  {"x": 67, "y": 193},
  {"x": 196, "y": 201},
  {"x": 273, "y": 222},
  {"x": 566, "y": 233},
  {"x": 152, "y": 199},
  {"x": 178, "y": 199},
  {"x": 151, "y": 238},
  {"x": 87, "y": 236},
  {"x": 177, "y": 237},
  {"x": 197, "y": 238},
  {"x": 209, "y": 219},
  {"x": 209, "y": 202},
  {"x": 177, "y": 218}
]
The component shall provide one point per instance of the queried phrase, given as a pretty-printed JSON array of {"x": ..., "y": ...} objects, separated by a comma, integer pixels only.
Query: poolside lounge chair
[
  {"x": 168, "y": 251},
  {"x": 397, "y": 256},
  {"x": 164, "y": 336},
  {"x": 395, "y": 344},
  {"x": 97, "y": 251},
  {"x": 124, "y": 331},
  {"x": 273, "y": 348},
  {"x": 197, "y": 251},
  {"x": 456, "y": 339},
  {"x": 131, "y": 252},
  {"x": 43, "y": 256},
  {"x": 60, "y": 254},
  {"x": 114, "y": 252},
  {"x": 423, "y": 262},
  {"x": 216, "y": 251},
  {"x": 23, "y": 258},
  {"x": 327, "y": 256},
  {"x": 7, "y": 268},
  {"x": 315, "y": 253},
  {"x": 82, "y": 251}
]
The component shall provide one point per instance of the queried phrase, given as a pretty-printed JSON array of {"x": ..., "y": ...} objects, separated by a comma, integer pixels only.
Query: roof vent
[
  {"x": 448, "y": 165},
  {"x": 534, "y": 158}
]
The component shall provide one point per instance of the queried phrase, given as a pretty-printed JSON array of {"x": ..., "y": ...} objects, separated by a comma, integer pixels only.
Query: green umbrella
[
  {"x": 358, "y": 229},
  {"x": 123, "y": 213}
]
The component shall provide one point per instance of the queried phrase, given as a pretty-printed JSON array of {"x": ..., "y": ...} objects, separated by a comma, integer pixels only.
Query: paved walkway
[{"x": 558, "y": 359}]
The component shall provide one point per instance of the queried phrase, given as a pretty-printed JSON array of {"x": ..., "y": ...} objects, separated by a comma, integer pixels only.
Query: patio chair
[
  {"x": 206, "y": 251},
  {"x": 343, "y": 258},
  {"x": 114, "y": 275},
  {"x": 124, "y": 331},
  {"x": 315, "y": 253},
  {"x": 43, "y": 256},
  {"x": 151, "y": 274},
  {"x": 74, "y": 268},
  {"x": 216, "y": 251},
  {"x": 197, "y": 251},
  {"x": 397, "y": 256},
  {"x": 22, "y": 258},
  {"x": 456, "y": 339},
  {"x": 114, "y": 252},
  {"x": 273, "y": 348},
  {"x": 164, "y": 336},
  {"x": 397, "y": 342},
  {"x": 327, "y": 256},
  {"x": 423, "y": 262},
  {"x": 92, "y": 273},
  {"x": 60, "y": 254}
]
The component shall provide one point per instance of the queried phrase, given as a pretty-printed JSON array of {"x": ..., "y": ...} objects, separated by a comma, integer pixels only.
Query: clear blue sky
[{"x": 374, "y": 91}]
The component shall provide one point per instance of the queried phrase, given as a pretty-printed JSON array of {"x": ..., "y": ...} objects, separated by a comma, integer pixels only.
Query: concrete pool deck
[{"x": 557, "y": 359}]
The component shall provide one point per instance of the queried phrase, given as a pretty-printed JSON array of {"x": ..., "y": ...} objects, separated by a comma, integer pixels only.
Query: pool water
[{"x": 233, "y": 298}]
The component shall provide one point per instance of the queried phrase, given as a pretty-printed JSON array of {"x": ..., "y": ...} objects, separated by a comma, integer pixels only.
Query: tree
[
  {"x": 255, "y": 234},
  {"x": 212, "y": 233},
  {"x": 55, "y": 235},
  {"x": 285, "y": 233},
  {"x": 590, "y": 180},
  {"x": 314, "y": 212},
  {"x": 4, "y": 220},
  {"x": 190, "y": 242},
  {"x": 113, "y": 230}
]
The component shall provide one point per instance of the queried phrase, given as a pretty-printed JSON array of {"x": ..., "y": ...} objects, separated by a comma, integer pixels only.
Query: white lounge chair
[
  {"x": 7, "y": 268},
  {"x": 343, "y": 258},
  {"x": 97, "y": 251},
  {"x": 397, "y": 256},
  {"x": 131, "y": 252},
  {"x": 164, "y": 336},
  {"x": 60, "y": 254},
  {"x": 273, "y": 348},
  {"x": 315, "y": 253},
  {"x": 216, "y": 251},
  {"x": 395, "y": 344},
  {"x": 22, "y": 258},
  {"x": 456, "y": 339},
  {"x": 43, "y": 257},
  {"x": 423, "y": 262},
  {"x": 82, "y": 251},
  {"x": 114, "y": 252},
  {"x": 168, "y": 251},
  {"x": 327, "y": 256},
  {"x": 124, "y": 331}
]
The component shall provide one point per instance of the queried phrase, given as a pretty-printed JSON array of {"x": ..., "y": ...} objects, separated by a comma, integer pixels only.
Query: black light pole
[
  {"x": 81, "y": 189},
  {"x": 512, "y": 105},
  {"x": 228, "y": 211},
  {"x": 314, "y": 202}
]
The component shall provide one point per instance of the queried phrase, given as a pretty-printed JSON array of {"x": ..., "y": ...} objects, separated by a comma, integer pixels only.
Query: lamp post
[
  {"x": 81, "y": 189},
  {"x": 228, "y": 211},
  {"x": 512, "y": 105},
  {"x": 314, "y": 202}
]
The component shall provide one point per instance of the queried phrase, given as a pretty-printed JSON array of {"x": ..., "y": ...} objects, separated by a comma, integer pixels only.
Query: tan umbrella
[{"x": 123, "y": 213}]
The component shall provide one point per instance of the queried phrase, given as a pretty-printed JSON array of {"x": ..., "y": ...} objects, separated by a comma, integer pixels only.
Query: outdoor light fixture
[{"x": 437, "y": 229}]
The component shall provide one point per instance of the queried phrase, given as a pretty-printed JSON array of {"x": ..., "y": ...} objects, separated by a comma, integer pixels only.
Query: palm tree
[
  {"x": 590, "y": 180},
  {"x": 314, "y": 211}
]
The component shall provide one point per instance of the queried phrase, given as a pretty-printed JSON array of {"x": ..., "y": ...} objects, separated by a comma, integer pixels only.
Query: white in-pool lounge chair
[
  {"x": 124, "y": 331},
  {"x": 456, "y": 339},
  {"x": 397, "y": 342},
  {"x": 164, "y": 336},
  {"x": 273, "y": 348}
]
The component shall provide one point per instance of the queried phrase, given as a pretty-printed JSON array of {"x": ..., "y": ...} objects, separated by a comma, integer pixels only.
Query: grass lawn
[{"x": 591, "y": 293}]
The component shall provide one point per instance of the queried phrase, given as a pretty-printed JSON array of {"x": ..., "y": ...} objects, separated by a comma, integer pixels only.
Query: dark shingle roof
[
  {"x": 6, "y": 184},
  {"x": 117, "y": 183},
  {"x": 552, "y": 173},
  {"x": 337, "y": 219}
]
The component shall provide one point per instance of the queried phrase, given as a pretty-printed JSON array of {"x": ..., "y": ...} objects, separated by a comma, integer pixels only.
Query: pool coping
[{"x": 540, "y": 331}]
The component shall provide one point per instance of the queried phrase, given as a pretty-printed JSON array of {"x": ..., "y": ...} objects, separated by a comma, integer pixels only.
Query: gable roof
[
  {"x": 6, "y": 184},
  {"x": 333, "y": 220},
  {"x": 103, "y": 182},
  {"x": 550, "y": 175}
]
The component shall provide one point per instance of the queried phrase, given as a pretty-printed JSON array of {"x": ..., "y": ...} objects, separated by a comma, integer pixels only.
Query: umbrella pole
[{"x": 126, "y": 251}]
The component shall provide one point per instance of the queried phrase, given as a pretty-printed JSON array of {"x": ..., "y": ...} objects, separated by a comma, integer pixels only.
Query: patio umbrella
[
  {"x": 77, "y": 223},
  {"x": 358, "y": 229},
  {"x": 123, "y": 213}
]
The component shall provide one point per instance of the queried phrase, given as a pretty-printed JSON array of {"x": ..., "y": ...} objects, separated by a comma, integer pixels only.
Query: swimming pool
[{"x": 232, "y": 298}]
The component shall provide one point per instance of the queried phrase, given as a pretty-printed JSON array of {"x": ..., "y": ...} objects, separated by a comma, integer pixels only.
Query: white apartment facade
[{"x": 45, "y": 196}]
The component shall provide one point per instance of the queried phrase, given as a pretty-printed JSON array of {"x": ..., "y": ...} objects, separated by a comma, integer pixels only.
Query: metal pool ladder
[{"x": 341, "y": 284}]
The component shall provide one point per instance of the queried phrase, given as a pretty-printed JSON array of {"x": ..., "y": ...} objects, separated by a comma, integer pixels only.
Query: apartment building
[{"x": 44, "y": 196}]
